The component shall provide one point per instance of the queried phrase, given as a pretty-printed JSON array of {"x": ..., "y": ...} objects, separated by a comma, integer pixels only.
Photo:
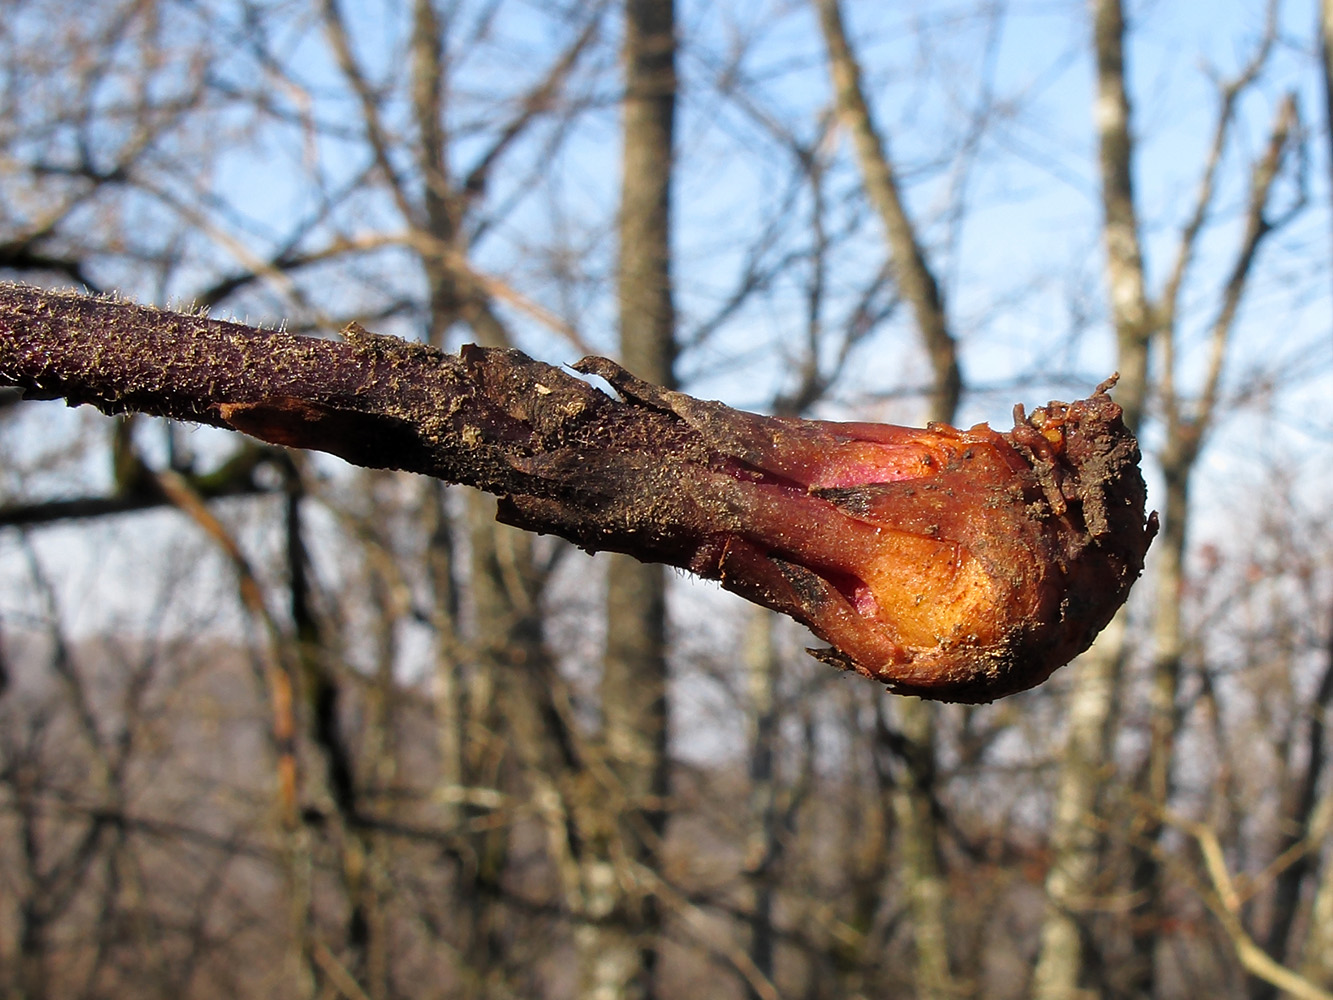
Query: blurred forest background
[{"x": 274, "y": 726}]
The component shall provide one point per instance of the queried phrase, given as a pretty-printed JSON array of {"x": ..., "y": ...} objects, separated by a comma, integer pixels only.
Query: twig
[
  {"x": 1226, "y": 907},
  {"x": 961, "y": 565}
]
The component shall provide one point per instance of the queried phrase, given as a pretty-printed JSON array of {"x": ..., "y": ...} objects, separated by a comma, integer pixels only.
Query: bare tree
[
  {"x": 1142, "y": 323},
  {"x": 618, "y": 950},
  {"x": 385, "y": 746},
  {"x": 915, "y": 802}
]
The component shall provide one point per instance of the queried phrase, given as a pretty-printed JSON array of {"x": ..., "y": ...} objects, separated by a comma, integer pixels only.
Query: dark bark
[
  {"x": 962, "y": 565},
  {"x": 493, "y": 419},
  {"x": 621, "y": 957}
]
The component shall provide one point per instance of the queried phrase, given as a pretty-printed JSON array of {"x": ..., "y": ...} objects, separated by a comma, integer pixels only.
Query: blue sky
[{"x": 1021, "y": 264}]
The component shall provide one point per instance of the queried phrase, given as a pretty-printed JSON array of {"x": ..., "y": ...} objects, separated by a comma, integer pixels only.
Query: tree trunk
[
  {"x": 763, "y": 846},
  {"x": 1074, "y": 842},
  {"x": 618, "y": 951},
  {"x": 1306, "y": 826},
  {"x": 1326, "y": 71},
  {"x": 914, "y": 799},
  {"x": 1318, "y": 963}
]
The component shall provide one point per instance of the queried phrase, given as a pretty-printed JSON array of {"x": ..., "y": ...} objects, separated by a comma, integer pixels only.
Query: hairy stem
[{"x": 954, "y": 564}]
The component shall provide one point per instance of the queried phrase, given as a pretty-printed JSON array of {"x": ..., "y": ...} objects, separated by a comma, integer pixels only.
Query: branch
[
  {"x": 881, "y": 183},
  {"x": 1226, "y": 907},
  {"x": 1258, "y": 225},
  {"x": 377, "y": 134},
  {"x": 1229, "y": 95},
  {"x": 1120, "y": 231},
  {"x": 1326, "y": 72},
  {"x": 961, "y": 565},
  {"x": 238, "y": 476}
]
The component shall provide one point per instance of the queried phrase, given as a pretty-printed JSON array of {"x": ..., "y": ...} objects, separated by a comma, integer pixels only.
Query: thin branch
[
  {"x": 376, "y": 133},
  {"x": 1226, "y": 907},
  {"x": 1258, "y": 225},
  {"x": 339, "y": 976},
  {"x": 21, "y": 256},
  {"x": 1310, "y": 818},
  {"x": 1185, "y": 434},
  {"x": 938, "y": 561},
  {"x": 706, "y": 934},
  {"x": 881, "y": 183},
  {"x": 1229, "y": 96},
  {"x": 541, "y": 97}
]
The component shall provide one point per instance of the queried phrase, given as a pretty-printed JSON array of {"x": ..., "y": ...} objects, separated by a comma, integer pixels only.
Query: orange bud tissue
[{"x": 955, "y": 565}]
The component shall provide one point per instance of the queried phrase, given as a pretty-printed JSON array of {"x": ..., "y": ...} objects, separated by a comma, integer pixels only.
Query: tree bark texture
[
  {"x": 963, "y": 565},
  {"x": 617, "y": 958}
]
